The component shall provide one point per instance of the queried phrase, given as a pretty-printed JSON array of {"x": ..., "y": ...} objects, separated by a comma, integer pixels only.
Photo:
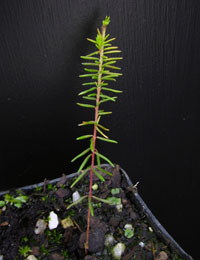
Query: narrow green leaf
[
  {"x": 106, "y": 36},
  {"x": 108, "y": 52},
  {"x": 90, "y": 83},
  {"x": 86, "y": 75},
  {"x": 112, "y": 39},
  {"x": 104, "y": 171},
  {"x": 104, "y": 113},
  {"x": 113, "y": 58},
  {"x": 111, "y": 74},
  {"x": 98, "y": 130},
  {"x": 84, "y": 162},
  {"x": 85, "y": 105},
  {"x": 93, "y": 53},
  {"x": 98, "y": 175},
  {"x": 92, "y": 95},
  {"x": 108, "y": 78},
  {"x": 87, "y": 123},
  {"x": 105, "y": 158},
  {"x": 101, "y": 126},
  {"x": 89, "y": 58},
  {"x": 107, "y": 44},
  {"x": 112, "y": 90},
  {"x": 98, "y": 160},
  {"x": 112, "y": 67},
  {"x": 86, "y": 91},
  {"x": 90, "y": 40},
  {"x": 108, "y": 63},
  {"x": 89, "y": 98},
  {"x": 91, "y": 144},
  {"x": 90, "y": 206},
  {"x": 90, "y": 64},
  {"x": 107, "y": 97},
  {"x": 77, "y": 202},
  {"x": 79, "y": 178},
  {"x": 102, "y": 200},
  {"x": 107, "y": 140},
  {"x": 83, "y": 137},
  {"x": 90, "y": 70},
  {"x": 80, "y": 154},
  {"x": 110, "y": 48}
]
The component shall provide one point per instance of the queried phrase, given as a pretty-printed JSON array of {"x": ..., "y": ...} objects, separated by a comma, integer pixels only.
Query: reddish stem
[{"x": 94, "y": 138}]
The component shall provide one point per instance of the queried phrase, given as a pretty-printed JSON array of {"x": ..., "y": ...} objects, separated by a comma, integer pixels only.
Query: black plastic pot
[{"x": 155, "y": 224}]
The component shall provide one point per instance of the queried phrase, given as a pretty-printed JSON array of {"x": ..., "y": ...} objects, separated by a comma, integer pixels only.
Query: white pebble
[
  {"x": 1, "y": 257},
  {"x": 119, "y": 207},
  {"x": 109, "y": 240},
  {"x": 53, "y": 222},
  {"x": 128, "y": 226},
  {"x": 118, "y": 250},
  {"x": 141, "y": 244},
  {"x": 40, "y": 226},
  {"x": 31, "y": 257},
  {"x": 75, "y": 196}
]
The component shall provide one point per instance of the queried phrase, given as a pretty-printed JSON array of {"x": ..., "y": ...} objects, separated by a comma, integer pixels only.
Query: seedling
[
  {"x": 24, "y": 251},
  {"x": 16, "y": 201},
  {"x": 99, "y": 67}
]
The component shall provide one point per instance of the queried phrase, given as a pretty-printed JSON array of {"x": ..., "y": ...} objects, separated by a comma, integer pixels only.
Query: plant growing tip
[{"x": 99, "y": 69}]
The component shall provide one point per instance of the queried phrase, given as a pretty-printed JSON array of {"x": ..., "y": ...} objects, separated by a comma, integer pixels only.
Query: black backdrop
[{"x": 156, "y": 119}]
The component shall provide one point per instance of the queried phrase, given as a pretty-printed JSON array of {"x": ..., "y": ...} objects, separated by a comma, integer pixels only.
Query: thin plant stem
[{"x": 101, "y": 51}]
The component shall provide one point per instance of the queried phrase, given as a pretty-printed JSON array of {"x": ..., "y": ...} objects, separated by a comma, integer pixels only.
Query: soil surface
[{"x": 20, "y": 237}]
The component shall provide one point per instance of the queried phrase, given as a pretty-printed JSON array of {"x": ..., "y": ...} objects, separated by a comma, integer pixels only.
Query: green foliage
[
  {"x": 16, "y": 201},
  {"x": 129, "y": 232},
  {"x": 100, "y": 69},
  {"x": 24, "y": 251},
  {"x": 115, "y": 191},
  {"x": 114, "y": 200}
]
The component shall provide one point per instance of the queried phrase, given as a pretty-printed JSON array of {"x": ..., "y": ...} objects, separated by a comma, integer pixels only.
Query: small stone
[
  {"x": 67, "y": 222},
  {"x": 118, "y": 250},
  {"x": 141, "y": 244},
  {"x": 31, "y": 257},
  {"x": 1, "y": 257},
  {"x": 119, "y": 207},
  {"x": 40, "y": 227},
  {"x": 75, "y": 196},
  {"x": 162, "y": 256},
  {"x": 95, "y": 186},
  {"x": 63, "y": 193},
  {"x": 114, "y": 221},
  {"x": 129, "y": 226},
  {"x": 53, "y": 222},
  {"x": 56, "y": 256},
  {"x": 109, "y": 240},
  {"x": 150, "y": 229},
  {"x": 96, "y": 239},
  {"x": 35, "y": 250}
]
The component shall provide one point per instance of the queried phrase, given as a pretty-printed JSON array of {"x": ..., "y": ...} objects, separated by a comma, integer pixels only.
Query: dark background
[{"x": 155, "y": 120}]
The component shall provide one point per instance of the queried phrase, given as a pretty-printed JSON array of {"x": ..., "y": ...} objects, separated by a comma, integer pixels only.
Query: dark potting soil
[{"x": 18, "y": 239}]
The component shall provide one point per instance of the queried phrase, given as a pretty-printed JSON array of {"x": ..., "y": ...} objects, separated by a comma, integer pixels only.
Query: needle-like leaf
[
  {"x": 107, "y": 140},
  {"x": 90, "y": 206},
  {"x": 85, "y": 105},
  {"x": 80, "y": 154},
  {"x": 84, "y": 162},
  {"x": 98, "y": 175},
  {"x": 105, "y": 158},
  {"x": 83, "y": 137},
  {"x": 86, "y": 91}
]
